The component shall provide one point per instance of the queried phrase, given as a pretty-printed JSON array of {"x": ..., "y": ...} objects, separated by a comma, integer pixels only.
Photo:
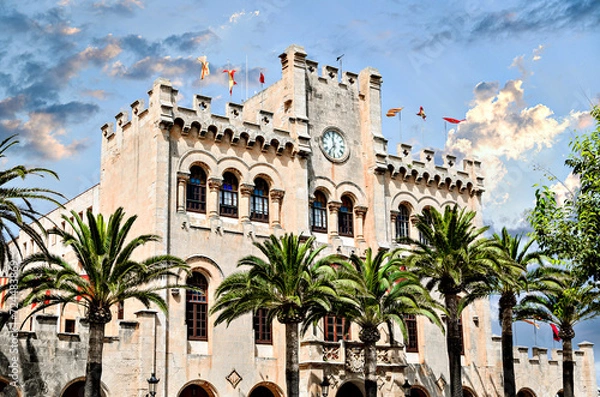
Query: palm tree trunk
[
  {"x": 568, "y": 383},
  {"x": 93, "y": 369},
  {"x": 370, "y": 370},
  {"x": 508, "y": 364},
  {"x": 453, "y": 342},
  {"x": 292, "y": 366}
]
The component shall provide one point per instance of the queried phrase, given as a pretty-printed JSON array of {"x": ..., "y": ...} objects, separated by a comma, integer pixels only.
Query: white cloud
[
  {"x": 236, "y": 16},
  {"x": 565, "y": 189},
  {"x": 500, "y": 127}
]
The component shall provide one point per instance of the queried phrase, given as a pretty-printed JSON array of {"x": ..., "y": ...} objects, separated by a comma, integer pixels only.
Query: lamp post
[
  {"x": 406, "y": 387},
  {"x": 152, "y": 382},
  {"x": 325, "y": 386}
]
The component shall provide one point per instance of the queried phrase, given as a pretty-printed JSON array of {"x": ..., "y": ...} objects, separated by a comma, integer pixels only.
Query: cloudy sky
[{"x": 523, "y": 73}]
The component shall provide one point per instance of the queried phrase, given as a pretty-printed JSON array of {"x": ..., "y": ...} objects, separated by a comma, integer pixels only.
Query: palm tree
[
  {"x": 509, "y": 282},
  {"x": 453, "y": 258},
  {"x": 112, "y": 276},
  {"x": 291, "y": 284},
  {"x": 576, "y": 302},
  {"x": 381, "y": 293},
  {"x": 16, "y": 209}
]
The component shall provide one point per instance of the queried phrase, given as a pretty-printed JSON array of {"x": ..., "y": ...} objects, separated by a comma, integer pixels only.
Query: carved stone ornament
[{"x": 234, "y": 378}]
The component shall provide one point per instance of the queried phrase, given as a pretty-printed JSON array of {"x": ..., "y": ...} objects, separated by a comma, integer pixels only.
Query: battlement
[
  {"x": 424, "y": 170},
  {"x": 199, "y": 121}
]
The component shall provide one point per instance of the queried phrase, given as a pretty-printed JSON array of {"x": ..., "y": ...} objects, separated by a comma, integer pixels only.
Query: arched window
[
  {"x": 259, "y": 202},
  {"x": 402, "y": 222},
  {"x": 412, "y": 342},
  {"x": 346, "y": 218},
  {"x": 427, "y": 216},
  {"x": 318, "y": 213},
  {"x": 229, "y": 196},
  {"x": 334, "y": 328},
  {"x": 196, "y": 190},
  {"x": 196, "y": 308}
]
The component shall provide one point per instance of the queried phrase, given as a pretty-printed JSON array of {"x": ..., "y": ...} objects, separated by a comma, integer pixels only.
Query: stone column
[
  {"x": 182, "y": 180},
  {"x": 246, "y": 190},
  {"x": 359, "y": 217},
  {"x": 394, "y": 215},
  {"x": 332, "y": 221},
  {"x": 276, "y": 196},
  {"x": 212, "y": 202}
]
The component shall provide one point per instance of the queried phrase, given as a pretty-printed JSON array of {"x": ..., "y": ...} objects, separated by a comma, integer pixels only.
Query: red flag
[
  {"x": 555, "y": 332},
  {"x": 453, "y": 121},
  {"x": 232, "y": 81},
  {"x": 261, "y": 78},
  {"x": 47, "y": 301},
  {"x": 422, "y": 113}
]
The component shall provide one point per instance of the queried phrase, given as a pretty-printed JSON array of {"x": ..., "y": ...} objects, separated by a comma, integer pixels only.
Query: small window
[
  {"x": 259, "y": 202},
  {"x": 412, "y": 343},
  {"x": 402, "y": 222},
  {"x": 196, "y": 308},
  {"x": 196, "y": 190},
  {"x": 346, "y": 218},
  {"x": 318, "y": 213},
  {"x": 69, "y": 326},
  {"x": 229, "y": 196},
  {"x": 263, "y": 329},
  {"x": 334, "y": 329}
]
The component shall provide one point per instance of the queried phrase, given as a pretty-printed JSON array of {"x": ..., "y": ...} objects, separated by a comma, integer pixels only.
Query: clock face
[{"x": 333, "y": 144}]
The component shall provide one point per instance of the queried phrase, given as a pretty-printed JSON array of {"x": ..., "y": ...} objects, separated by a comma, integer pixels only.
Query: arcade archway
[
  {"x": 76, "y": 388},
  {"x": 197, "y": 388},
  {"x": 527, "y": 393},
  {"x": 349, "y": 389}
]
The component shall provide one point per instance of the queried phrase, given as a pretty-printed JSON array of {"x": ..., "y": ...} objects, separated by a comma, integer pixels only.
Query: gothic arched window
[
  {"x": 196, "y": 307},
  {"x": 403, "y": 222},
  {"x": 228, "y": 203},
  {"x": 318, "y": 213},
  {"x": 346, "y": 218},
  {"x": 259, "y": 202},
  {"x": 196, "y": 190}
]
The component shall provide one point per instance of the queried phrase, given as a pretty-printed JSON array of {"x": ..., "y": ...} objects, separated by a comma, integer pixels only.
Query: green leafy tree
[
  {"x": 512, "y": 280},
  {"x": 16, "y": 208},
  {"x": 565, "y": 307},
  {"x": 378, "y": 293},
  {"x": 290, "y": 282},
  {"x": 112, "y": 276},
  {"x": 570, "y": 230},
  {"x": 453, "y": 259}
]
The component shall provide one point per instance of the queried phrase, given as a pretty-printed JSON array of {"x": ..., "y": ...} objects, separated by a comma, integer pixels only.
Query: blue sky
[{"x": 523, "y": 73}]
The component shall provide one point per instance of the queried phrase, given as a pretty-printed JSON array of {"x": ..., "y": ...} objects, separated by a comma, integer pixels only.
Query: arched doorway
[
  {"x": 415, "y": 392},
  {"x": 468, "y": 392},
  {"x": 349, "y": 390},
  {"x": 194, "y": 391},
  {"x": 76, "y": 389},
  {"x": 527, "y": 393},
  {"x": 261, "y": 391}
]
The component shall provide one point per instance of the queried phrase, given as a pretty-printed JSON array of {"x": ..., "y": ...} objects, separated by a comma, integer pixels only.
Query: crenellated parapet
[
  {"x": 199, "y": 122},
  {"x": 424, "y": 170}
]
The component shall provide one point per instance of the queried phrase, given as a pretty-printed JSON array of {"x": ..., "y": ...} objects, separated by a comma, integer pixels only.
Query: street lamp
[
  {"x": 406, "y": 387},
  {"x": 325, "y": 386},
  {"x": 152, "y": 385}
]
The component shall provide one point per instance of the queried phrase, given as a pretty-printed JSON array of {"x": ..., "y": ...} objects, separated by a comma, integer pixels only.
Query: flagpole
[{"x": 400, "y": 124}]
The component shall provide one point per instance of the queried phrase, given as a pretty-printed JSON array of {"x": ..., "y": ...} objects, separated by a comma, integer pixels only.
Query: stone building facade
[{"x": 307, "y": 156}]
